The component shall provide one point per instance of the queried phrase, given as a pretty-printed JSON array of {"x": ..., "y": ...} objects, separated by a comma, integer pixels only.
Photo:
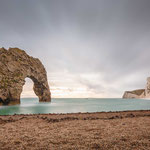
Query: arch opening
[{"x": 27, "y": 91}]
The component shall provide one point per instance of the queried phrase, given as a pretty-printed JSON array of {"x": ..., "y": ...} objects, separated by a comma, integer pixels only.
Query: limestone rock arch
[{"x": 15, "y": 66}]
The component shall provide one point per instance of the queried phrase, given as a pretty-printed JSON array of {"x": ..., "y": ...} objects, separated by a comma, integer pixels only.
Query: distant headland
[
  {"x": 15, "y": 66},
  {"x": 140, "y": 93}
]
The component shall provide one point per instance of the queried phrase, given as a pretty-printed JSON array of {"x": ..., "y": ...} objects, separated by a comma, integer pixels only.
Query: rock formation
[
  {"x": 15, "y": 66},
  {"x": 140, "y": 93},
  {"x": 147, "y": 90}
]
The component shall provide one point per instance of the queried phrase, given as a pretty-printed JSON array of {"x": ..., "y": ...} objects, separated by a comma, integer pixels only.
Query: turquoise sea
[{"x": 75, "y": 105}]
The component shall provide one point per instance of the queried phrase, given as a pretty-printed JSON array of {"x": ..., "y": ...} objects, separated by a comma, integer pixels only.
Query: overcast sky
[{"x": 90, "y": 48}]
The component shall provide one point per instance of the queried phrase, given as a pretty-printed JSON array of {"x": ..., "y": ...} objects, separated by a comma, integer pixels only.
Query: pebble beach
[{"x": 128, "y": 130}]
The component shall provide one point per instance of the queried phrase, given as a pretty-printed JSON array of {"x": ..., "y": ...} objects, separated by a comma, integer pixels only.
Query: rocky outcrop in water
[
  {"x": 15, "y": 66},
  {"x": 140, "y": 93}
]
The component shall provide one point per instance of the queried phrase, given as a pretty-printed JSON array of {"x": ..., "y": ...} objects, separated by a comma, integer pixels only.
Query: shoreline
[
  {"x": 121, "y": 130},
  {"x": 78, "y": 113},
  {"x": 124, "y": 111}
]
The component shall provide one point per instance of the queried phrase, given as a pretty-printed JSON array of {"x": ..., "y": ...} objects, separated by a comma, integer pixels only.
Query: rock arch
[{"x": 15, "y": 66}]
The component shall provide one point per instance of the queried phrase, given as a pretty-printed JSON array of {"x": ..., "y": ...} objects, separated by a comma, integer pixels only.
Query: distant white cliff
[{"x": 139, "y": 93}]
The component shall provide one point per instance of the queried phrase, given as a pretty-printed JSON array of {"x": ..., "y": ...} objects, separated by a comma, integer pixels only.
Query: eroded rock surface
[
  {"x": 15, "y": 66},
  {"x": 140, "y": 93},
  {"x": 147, "y": 90}
]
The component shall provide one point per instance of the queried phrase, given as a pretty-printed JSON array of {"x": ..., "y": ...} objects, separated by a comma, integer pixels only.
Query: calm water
[{"x": 73, "y": 105}]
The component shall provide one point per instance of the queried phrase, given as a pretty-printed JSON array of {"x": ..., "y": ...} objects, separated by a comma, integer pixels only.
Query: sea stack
[
  {"x": 15, "y": 66},
  {"x": 140, "y": 93}
]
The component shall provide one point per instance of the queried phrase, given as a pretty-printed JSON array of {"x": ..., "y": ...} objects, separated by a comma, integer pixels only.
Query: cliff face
[
  {"x": 15, "y": 66},
  {"x": 140, "y": 93},
  {"x": 147, "y": 90}
]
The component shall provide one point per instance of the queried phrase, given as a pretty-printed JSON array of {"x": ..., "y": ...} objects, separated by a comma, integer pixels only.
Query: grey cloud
[
  {"x": 89, "y": 36},
  {"x": 95, "y": 87}
]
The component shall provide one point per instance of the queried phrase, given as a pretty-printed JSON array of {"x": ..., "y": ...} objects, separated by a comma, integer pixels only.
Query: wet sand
[{"x": 99, "y": 131}]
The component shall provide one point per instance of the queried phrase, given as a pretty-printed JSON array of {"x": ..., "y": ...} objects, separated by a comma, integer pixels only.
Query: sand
[{"x": 98, "y": 131}]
